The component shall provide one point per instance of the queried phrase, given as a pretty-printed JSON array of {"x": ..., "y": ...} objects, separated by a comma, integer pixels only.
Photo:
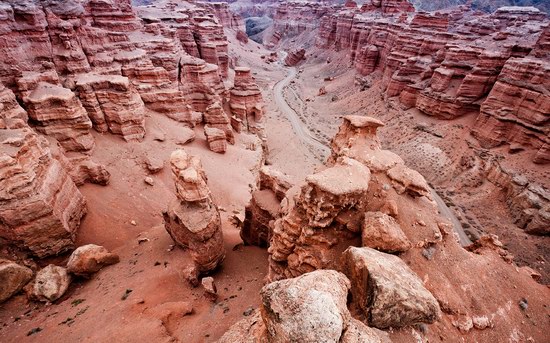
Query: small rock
[
  {"x": 428, "y": 252},
  {"x": 126, "y": 294},
  {"x": 133, "y": 222},
  {"x": 154, "y": 164},
  {"x": 248, "y": 311},
  {"x": 89, "y": 259},
  {"x": 50, "y": 283},
  {"x": 149, "y": 180},
  {"x": 185, "y": 136},
  {"x": 481, "y": 323},
  {"x": 523, "y": 304},
  {"x": 209, "y": 288},
  {"x": 191, "y": 274}
]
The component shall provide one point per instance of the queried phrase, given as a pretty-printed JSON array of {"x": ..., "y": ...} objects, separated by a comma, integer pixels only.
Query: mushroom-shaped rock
[
  {"x": 382, "y": 232},
  {"x": 387, "y": 290},
  {"x": 89, "y": 259},
  {"x": 51, "y": 283},
  {"x": 13, "y": 277}
]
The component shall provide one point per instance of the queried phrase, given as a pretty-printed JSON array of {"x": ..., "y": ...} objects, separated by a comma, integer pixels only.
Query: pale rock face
[
  {"x": 193, "y": 220},
  {"x": 40, "y": 206},
  {"x": 382, "y": 232},
  {"x": 387, "y": 290},
  {"x": 51, "y": 283},
  {"x": 89, "y": 259},
  {"x": 310, "y": 308},
  {"x": 14, "y": 277}
]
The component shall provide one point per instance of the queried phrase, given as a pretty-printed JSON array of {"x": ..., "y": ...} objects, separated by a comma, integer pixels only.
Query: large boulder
[
  {"x": 382, "y": 232},
  {"x": 309, "y": 308},
  {"x": 89, "y": 259},
  {"x": 13, "y": 278},
  {"x": 50, "y": 283},
  {"x": 387, "y": 290}
]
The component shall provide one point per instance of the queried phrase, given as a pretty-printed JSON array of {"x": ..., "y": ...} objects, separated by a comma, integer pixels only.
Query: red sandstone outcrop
[
  {"x": 193, "y": 220},
  {"x": 40, "y": 206},
  {"x": 112, "y": 104},
  {"x": 517, "y": 108},
  {"x": 246, "y": 103},
  {"x": 294, "y": 57},
  {"x": 216, "y": 138}
]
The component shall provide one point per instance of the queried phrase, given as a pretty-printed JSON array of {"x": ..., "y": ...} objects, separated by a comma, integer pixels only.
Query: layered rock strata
[
  {"x": 40, "y": 206},
  {"x": 246, "y": 103},
  {"x": 193, "y": 220},
  {"x": 448, "y": 65}
]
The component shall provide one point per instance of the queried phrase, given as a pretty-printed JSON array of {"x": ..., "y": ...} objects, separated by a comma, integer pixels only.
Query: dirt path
[
  {"x": 309, "y": 139},
  {"x": 298, "y": 126}
]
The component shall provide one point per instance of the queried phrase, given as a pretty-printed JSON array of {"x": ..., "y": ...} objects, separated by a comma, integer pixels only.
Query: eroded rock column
[{"x": 193, "y": 220}]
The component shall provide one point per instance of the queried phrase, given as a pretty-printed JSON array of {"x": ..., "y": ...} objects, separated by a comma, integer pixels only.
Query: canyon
[{"x": 274, "y": 171}]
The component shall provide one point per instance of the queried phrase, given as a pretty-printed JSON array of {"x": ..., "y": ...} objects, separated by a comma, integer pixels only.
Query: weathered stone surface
[
  {"x": 307, "y": 235},
  {"x": 50, "y": 283},
  {"x": 14, "y": 277},
  {"x": 112, "y": 103},
  {"x": 40, "y": 206},
  {"x": 246, "y": 103},
  {"x": 387, "y": 290},
  {"x": 294, "y": 57},
  {"x": 382, "y": 232},
  {"x": 216, "y": 139},
  {"x": 89, "y": 259},
  {"x": 193, "y": 220},
  {"x": 59, "y": 113},
  {"x": 291, "y": 308}
]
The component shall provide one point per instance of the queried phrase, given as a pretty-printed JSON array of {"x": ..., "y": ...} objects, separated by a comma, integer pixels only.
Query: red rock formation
[
  {"x": 112, "y": 103},
  {"x": 40, "y": 206},
  {"x": 294, "y": 57},
  {"x": 447, "y": 65},
  {"x": 193, "y": 220},
  {"x": 217, "y": 141},
  {"x": 517, "y": 109},
  {"x": 57, "y": 112},
  {"x": 246, "y": 103}
]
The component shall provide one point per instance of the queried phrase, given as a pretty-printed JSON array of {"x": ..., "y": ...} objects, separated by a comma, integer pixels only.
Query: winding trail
[
  {"x": 298, "y": 126},
  {"x": 309, "y": 138}
]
